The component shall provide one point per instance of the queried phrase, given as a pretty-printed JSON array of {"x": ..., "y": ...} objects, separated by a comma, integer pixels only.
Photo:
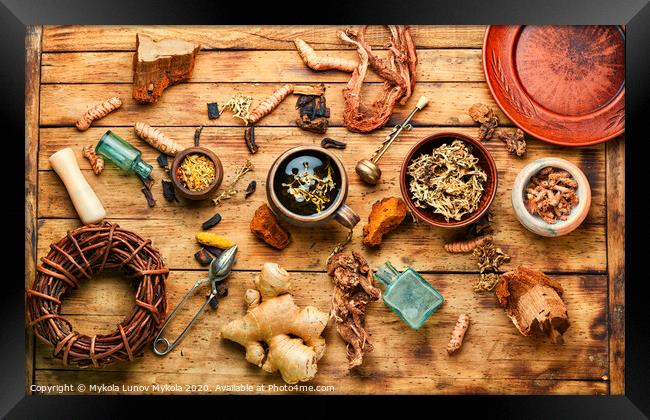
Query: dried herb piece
[
  {"x": 489, "y": 259},
  {"x": 484, "y": 115},
  {"x": 230, "y": 191},
  {"x": 328, "y": 143},
  {"x": 222, "y": 290},
  {"x": 213, "y": 250},
  {"x": 249, "y": 138},
  {"x": 203, "y": 257},
  {"x": 551, "y": 194},
  {"x": 214, "y": 302},
  {"x": 147, "y": 193},
  {"x": 196, "y": 172},
  {"x": 252, "y": 186},
  {"x": 197, "y": 135},
  {"x": 168, "y": 191},
  {"x": 211, "y": 222},
  {"x": 162, "y": 161},
  {"x": 213, "y": 110},
  {"x": 240, "y": 106},
  {"x": 313, "y": 113},
  {"x": 449, "y": 180},
  {"x": 515, "y": 142},
  {"x": 385, "y": 216}
]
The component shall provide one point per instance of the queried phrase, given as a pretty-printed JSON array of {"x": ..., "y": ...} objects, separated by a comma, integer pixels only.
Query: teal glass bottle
[
  {"x": 408, "y": 294},
  {"x": 129, "y": 159}
]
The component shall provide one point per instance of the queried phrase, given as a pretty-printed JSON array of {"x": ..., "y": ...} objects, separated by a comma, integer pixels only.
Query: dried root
[
  {"x": 96, "y": 161},
  {"x": 157, "y": 139},
  {"x": 458, "y": 334},
  {"x": 551, "y": 194},
  {"x": 97, "y": 112},
  {"x": 468, "y": 245},
  {"x": 319, "y": 62},
  {"x": 270, "y": 103},
  {"x": 484, "y": 115}
]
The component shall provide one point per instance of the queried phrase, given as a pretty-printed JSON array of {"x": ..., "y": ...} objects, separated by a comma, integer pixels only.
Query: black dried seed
[
  {"x": 162, "y": 160},
  {"x": 250, "y": 189},
  {"x": 249, "y": 137},
  {"x": 197, "y": 136},
  {"x": 222, "y": 290},
  {"x": 168, "y": 191},
  {"x": 331, "y": 143},
  {"x": 213, "y": 250},
  {"x": 203, "y": 257},
  {"x": 213, "y": 110},
  {"x": 147, "y": 193},
  {"x": 213, "y": 221}
]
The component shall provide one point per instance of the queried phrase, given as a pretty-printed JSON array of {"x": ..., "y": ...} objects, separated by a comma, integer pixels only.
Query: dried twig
[{"x": 230, "y": 191}]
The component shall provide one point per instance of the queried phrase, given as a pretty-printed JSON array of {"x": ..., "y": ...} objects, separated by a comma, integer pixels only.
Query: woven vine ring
[{"x": 80, "y": 254}]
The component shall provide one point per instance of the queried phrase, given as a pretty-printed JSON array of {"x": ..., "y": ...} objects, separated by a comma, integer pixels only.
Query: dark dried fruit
[
  {"x": 147, "y": 193},
  {"x": 162, "y": 161},
  {"x": 203, "y": 257},
  {"x": 249, "y": 137},
  {"x": 213, "y": 250},
  {"x": 213, "y": 110},
  {"x": 328, "y": 142},
  {"x": 197, "y": 136},
  {"x": 250, "y": 189},
  {"x": 168, "y": 191},
  {"x": 213, "y": 221}
]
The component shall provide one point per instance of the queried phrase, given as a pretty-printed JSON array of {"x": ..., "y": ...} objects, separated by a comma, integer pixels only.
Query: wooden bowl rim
[
  {"x": 476, "y": 145},
  {"x": 218, "y": 168}
]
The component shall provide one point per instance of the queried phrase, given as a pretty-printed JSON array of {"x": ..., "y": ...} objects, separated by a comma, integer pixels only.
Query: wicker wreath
[{"x": 83, "y": 252}]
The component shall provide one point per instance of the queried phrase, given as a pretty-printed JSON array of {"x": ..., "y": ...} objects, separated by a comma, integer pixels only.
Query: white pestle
[{"x": 84, "y": 199}]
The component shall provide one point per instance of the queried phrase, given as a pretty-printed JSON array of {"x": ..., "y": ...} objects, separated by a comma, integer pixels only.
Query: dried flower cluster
[
  {"x": 240, "y": 106},
  {"x": 306, "y": 186},
  {"x": 196, "y": 172},
  {"x": 489, "y": 259},
  {"x": 448, "y": 180},
  {"x": 551, "y": 194}
]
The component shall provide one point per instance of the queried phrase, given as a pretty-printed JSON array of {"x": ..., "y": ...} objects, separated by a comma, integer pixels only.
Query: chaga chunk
[
  {"x": 533, "y": 302},
  {"x": 484, "y": 115},
  {"x": 385, "y": 216},
  {"x": 266, "y": 227},
  {"x": 157, "y": 65}
]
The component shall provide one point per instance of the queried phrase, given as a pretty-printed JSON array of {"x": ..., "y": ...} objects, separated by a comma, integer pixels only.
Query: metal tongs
[{"x": 218, "y": 272}]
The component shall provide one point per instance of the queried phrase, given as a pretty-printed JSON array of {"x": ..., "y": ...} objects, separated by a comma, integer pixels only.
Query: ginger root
[
  {"x": 270, "y": 103},
  {"x": 319, "y": 62},
  {"x": 96, "y": 161},
  {"x": 468, "y": 245},
  {"x": 385, "y": 216},
  {"x": 157, "y": 139},
  {"x": 98, "y": 111},
  {"x": 458, "y": 334},
  {"x": 292, "y": 334}
]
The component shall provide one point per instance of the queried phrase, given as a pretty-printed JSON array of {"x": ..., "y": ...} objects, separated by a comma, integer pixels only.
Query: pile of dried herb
[
  {"x": 196, "y": 172},
  {"x": 449, "y": 180},
  {"x": 307, "y": 186},
  {"x": 489, "y": 259}
]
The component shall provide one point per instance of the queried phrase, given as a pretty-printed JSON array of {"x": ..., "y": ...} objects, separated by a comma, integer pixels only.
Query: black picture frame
[{"x": 16, "y": 15}]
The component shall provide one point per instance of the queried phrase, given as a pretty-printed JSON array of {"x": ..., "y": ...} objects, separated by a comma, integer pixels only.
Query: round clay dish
[
  {"x": 535, "y": 223},
  {"x": 212, "y": 188},
  {"x": 561, "y": 84},
  {"x": 486, "y": 162}
]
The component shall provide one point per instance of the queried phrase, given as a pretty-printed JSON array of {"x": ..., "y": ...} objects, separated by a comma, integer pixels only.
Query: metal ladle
[
  {"x": 367, "y": 169},
  {"x": 218, "y": 272}
]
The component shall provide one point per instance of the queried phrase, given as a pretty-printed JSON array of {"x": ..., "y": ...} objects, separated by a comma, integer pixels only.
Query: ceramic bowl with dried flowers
[{"x": 551, "y": 197}]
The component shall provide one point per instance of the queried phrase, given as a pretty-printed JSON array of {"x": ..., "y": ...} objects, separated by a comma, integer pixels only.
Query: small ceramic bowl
[
  {"x": 486, "y": 162},
  {"x": 535, "y": 223},
  {"x": 212, "y": 188}
]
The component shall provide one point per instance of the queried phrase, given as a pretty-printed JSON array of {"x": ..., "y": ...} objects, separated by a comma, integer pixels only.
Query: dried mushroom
[
  {"x": 515, "y": 142},
  {"x": 484, "y": 115},
  {"x": 385, "y": 216}
]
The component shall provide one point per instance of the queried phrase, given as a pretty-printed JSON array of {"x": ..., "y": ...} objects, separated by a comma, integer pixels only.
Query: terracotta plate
[{"x": 561, "y": 84}]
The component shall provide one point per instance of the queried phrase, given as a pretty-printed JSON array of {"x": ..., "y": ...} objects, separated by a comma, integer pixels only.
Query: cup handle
[{"x": 346, "y": 216}]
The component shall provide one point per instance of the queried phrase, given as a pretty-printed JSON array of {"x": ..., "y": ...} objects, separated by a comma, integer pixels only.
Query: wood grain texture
[
  {"x": 122, "y": 38},
  {"x": 185, "y": 104},
  {"x": 437, "y": 65},
  {"x": 493, "y": 348},
  {"x": 32, "y": 94},
  {"x": 616, "y": 263},
  {"x": 418, "y": 245}
]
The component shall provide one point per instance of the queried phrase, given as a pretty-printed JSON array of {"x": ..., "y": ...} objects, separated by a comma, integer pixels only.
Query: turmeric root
[
  {"x": 97, "y": 112},
  {"x": 213, "y": 239},
  {"x": 458, "y": 334},
  {"x": 96, "y": 161},
  {"x": 292, "y": 334},
  {"x": 157, "y": 139},
  {"x": 468, "y": 245},
  {"x": 319, "y": 62},
  {"x": 270, "y": 103}
]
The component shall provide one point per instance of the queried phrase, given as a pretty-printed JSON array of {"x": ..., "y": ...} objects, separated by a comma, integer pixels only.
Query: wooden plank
[
  {"x": 122, "y": 38},
  {"x": 493, "y": 348},
  {"x": 185, "y": 104},
  {"x": 452, "y": 65},
  {"x": 418, "y": 245},
  {"x": 373, "y": 386},
  {"x": 616, "y": 263},
  {"x": 32, "y": 93}
]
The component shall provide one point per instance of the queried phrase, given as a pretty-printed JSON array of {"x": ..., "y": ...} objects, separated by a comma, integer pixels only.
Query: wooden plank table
[{"x": 73, "y": 67}]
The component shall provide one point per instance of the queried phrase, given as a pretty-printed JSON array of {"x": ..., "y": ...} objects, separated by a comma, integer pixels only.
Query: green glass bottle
[
  {"x": 126, "y": 157},
  {"x": 408, "y": 294}
]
